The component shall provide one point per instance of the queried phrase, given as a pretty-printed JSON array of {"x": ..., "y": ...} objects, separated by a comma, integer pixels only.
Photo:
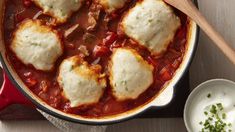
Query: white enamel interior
[{"x": 163, "y": 99}]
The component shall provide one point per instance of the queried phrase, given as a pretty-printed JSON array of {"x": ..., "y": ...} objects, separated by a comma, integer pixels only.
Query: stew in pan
[{"x": 94, "y": 58}]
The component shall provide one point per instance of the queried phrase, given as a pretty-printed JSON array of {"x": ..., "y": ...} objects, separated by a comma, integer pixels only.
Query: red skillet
[{"x": 10, "y": 95}]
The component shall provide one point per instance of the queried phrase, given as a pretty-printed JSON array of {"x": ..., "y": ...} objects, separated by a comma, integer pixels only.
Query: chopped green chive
[
  {"x": 215, "y": 120},
  {"x": 219, "y": 105},
  {"x": 208, "y": 95},
  {"x": 223, "y": 115}
]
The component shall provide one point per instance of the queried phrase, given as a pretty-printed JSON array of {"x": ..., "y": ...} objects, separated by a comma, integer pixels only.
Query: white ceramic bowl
[{"x": 202, "y": 91}]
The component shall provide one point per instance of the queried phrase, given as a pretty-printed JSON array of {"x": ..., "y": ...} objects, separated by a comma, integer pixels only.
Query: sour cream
[{"x": 203, "y": 97}]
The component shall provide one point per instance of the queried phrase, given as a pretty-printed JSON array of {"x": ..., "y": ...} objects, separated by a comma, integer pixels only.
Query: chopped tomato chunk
[
  {"x": 110, "y": 39},
  {"x": 153, "y": 62},
  {"x": 165, "y": 74},
  {"x": 27, "y": 3},
  {"x": 100, "y": 51},
  {"x": 31, "y": 82}
]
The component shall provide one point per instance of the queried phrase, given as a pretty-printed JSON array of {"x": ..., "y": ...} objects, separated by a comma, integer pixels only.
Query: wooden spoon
[{"x": 187, "y": 7}]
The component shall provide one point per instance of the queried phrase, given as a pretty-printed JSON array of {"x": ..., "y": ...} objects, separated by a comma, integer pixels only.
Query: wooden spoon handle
[{"x": 190, "y": 9}]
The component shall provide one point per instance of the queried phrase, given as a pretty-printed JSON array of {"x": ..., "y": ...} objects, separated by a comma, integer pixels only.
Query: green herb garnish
[
  {"x": 220, "y": 106},
  {"x": 223, "y": 116},
  {"x": 208, "y": 95},
  {"x": 215, "y": 120}
]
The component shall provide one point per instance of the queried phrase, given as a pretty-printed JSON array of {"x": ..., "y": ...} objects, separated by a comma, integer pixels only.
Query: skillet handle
[
  {"x": 164, "y": 98},
  {"x": 10, "y": 95}
]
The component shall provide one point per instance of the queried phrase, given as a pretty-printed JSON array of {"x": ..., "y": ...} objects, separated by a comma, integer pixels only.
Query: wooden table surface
[{"x": 208, "y": 63}]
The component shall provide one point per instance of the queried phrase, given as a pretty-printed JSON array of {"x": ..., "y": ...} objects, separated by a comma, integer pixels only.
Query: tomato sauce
[{"x": 99, "y": 35}]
